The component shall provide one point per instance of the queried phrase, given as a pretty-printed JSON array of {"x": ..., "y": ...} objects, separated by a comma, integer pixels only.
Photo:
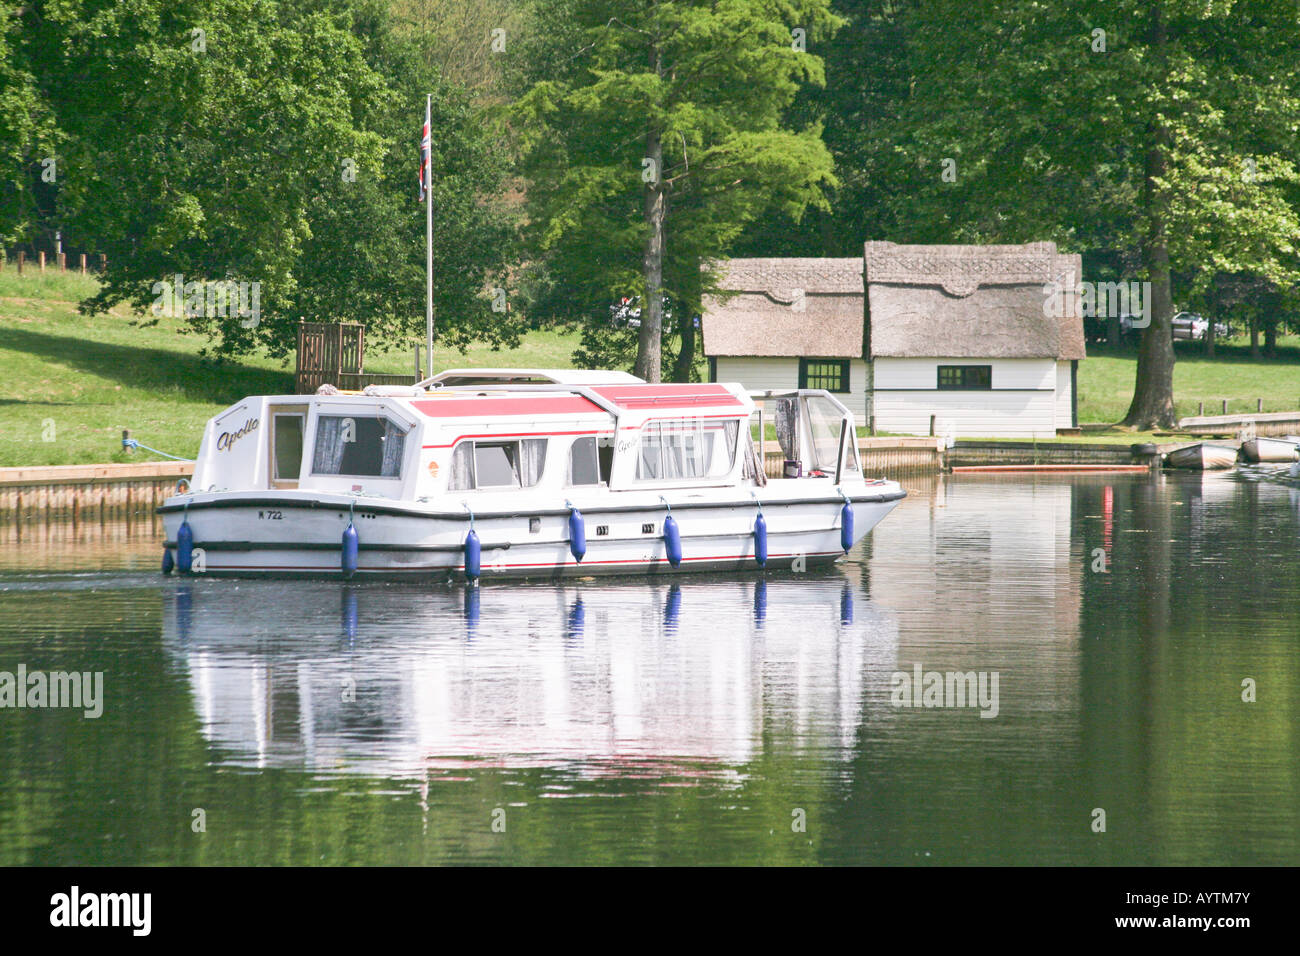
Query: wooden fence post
[
  {"x": 41, "y": 256},
  {"x": 1200, "y": 408},
  {"x": 1259, "y": 404},
  {"x": 1225, "y": 406},
  {"x": 63, "y": 262},
  {"x": 83, "y": 263}
]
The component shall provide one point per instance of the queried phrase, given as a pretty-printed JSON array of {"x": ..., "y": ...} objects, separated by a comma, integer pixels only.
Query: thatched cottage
[{"x": 985, "y": 338}]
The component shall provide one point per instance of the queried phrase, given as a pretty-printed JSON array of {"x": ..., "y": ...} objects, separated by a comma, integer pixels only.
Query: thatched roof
[
  {"x": 787, "y": 307},
  {"x": 921, "y": 301},
  {"x": 971, "y": 301}
]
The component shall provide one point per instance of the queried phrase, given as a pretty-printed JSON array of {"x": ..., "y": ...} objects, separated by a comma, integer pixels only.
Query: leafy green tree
[
  {"x": 651, "y": 136},
  {"x": 1167, "y": 124},
  {"x": 27, "y": 132},
  {"x": 274, "y": 142}
]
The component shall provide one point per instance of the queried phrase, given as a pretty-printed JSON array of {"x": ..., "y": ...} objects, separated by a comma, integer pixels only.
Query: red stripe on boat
[
  {"x": 667, "y": 396},
  {"x": 489, "y": 407}
]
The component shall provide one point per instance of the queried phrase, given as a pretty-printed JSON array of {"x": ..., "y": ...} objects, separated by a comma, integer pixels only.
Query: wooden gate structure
[{"x": 333, "y": 353}]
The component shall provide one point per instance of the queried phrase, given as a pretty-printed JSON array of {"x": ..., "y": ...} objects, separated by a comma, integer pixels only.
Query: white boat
[
  {"x": 1203, "y": 456},
  {"x": 520, "y": 473},
  {"x": 1269, "y": 449}
]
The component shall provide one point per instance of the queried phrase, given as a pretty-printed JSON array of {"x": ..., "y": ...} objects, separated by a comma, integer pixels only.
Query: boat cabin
[{"x": 494, "y": 431}]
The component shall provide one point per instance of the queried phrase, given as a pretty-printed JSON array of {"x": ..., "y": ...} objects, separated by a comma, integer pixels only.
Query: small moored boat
[
  {"x": 518, "y": 473},
  {"x": 1203, "y": 456},
  {"x": 1270, "y": 449}
]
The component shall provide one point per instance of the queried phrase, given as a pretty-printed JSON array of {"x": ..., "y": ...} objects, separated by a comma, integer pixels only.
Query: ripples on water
[{"x": 702, "y": 719}]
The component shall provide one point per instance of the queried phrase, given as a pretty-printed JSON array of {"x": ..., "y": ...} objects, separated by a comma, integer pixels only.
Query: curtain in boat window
[
  {"x": 532, "y": 458},
  {"x": 462, "y": 468},
  {"x": 328, "y": 456},
  {"x": 394, "y": 443},
  {"x": 686, "y": 448},
  {"x": 724, "y": 452},
  {"x": 649, "y": 462}
]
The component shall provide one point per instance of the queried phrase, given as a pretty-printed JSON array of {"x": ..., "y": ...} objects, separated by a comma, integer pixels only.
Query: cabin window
[
  {"x": 825, "y": 424},
  {"x": 358, "y": 446},
  {"x": 584, "y": 467},
  {"x": 590, "y": 460},
  {"x": 287, "y": 440},
  {"x": 497, "y": 464},
  {"x": 830, "y": 374},
  {"x": 970, "y": 377},
  {"x": 686, "y": 448}
]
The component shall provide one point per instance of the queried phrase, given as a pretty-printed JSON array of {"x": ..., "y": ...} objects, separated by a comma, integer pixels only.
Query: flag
[{"x": 425, "y": 145}]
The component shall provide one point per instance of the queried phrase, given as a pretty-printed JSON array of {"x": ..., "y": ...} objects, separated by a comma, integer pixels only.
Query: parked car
[
  {"x": 626, "y": 313},
  {"x": 1193, "y": 327}
]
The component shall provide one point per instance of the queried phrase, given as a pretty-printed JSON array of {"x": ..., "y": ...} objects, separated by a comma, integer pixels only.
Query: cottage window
[
  {"x": 969, "y": 377},
  {"x": 830, "y": 374}
]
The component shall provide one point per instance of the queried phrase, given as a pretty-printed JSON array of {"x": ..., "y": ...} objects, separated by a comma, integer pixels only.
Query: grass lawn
[
  {"x": 1106, "y": 380},
  {"x": 71, "y": 384}
]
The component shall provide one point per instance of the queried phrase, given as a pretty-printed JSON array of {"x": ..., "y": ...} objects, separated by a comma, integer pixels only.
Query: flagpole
[{"x": 428, "y": 238}]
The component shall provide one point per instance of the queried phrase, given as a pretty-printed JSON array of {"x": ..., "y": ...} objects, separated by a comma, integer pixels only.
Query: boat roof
[
  {"x": 644, "y": 400},
  {"x": 531, "y": 376}
]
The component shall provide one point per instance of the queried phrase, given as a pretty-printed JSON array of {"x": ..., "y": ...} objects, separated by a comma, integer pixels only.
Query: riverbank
[{"x": 73, "y": 383}]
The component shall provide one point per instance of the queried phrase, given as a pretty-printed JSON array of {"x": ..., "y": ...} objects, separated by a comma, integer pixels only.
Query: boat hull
[
  {"x": 1202, "y": 456},
  {"x": 289, "y": 535},
  {"x": 1257, "y": 450}
]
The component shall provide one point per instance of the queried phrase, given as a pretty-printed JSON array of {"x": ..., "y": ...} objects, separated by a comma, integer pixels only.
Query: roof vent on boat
[{"x": 393, "y": 391}]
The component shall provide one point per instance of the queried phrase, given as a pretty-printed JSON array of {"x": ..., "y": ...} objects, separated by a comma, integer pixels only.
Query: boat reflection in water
[{"x": 398, "y": 681}]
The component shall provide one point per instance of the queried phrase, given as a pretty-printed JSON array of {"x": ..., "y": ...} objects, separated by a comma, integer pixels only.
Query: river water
[{"x": 1114, "y": 625}]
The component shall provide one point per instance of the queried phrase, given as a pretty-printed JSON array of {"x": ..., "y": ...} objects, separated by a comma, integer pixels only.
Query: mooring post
[
  {"x": 126, "y": 437},
  {"x": 1259, "y": 404},
  {"x": 932, "y": 417},
  {"x": 1200, "y": 408},
  {"x": 1225, "y": 406}
]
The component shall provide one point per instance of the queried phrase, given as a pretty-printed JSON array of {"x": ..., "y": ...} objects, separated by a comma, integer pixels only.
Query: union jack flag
[{"x": 425, "y": 145}]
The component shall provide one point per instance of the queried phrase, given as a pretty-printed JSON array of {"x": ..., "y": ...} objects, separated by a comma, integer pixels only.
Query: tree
[
  {"x": 650, "y": 136},
  {"x": 27, "y": 133},
  {"x": 1163, "y": 125},
  {"x": 270, "y": 142}
]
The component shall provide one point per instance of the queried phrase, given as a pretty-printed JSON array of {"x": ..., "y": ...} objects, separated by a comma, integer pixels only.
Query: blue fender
[
  {"x": 673, "y": 541},
  {"x": 473, "y": 556},
  {"x": 760, "y": 540},
  {"x": 348, "y": 556},
  {"x": 846, "y": 527},
  {"x": 577, "y": 535},
  {"x": 168, "y": 563},
  {"x": 185, "y": 548}
]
